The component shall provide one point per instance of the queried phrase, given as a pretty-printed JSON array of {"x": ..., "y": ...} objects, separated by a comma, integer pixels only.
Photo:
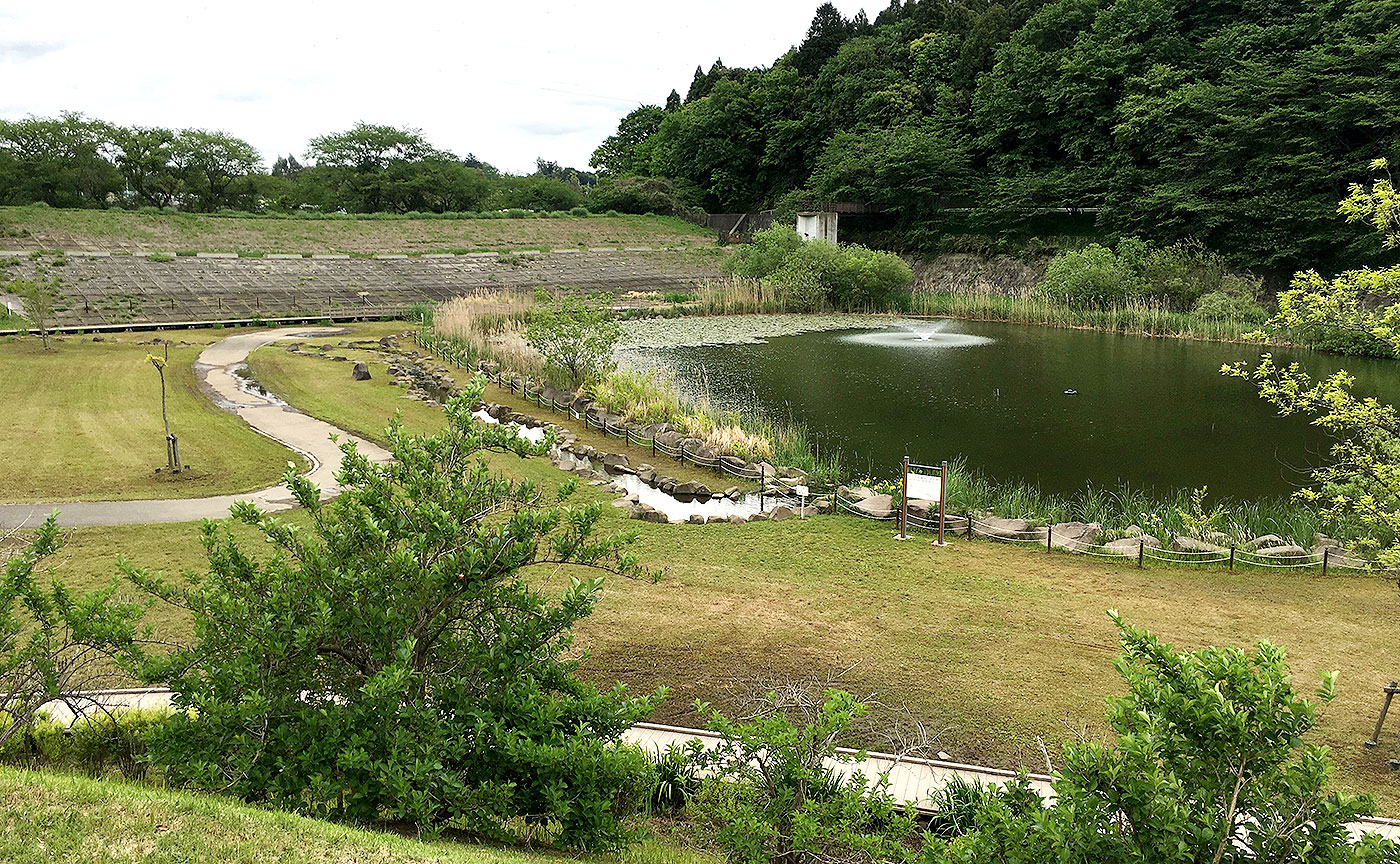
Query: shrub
[
  {"x": 1219, "y": 306},
  {"x": 1091, "y": 278},
  {"x": 579, "y": 211},
  {"x": 575, "y": 335},
  {"x": 1208, "y": 764},
  {"x": 405, "y": 667},
  {"x": 762, "y": 257},
  {"x": 771, "y": 796},
  {"x": 637, "y": 195},
  {"x": 97, "y": 745},
  {"x": 819, "y": 275}
]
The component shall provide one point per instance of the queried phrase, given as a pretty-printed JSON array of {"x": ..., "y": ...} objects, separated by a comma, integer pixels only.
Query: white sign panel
[{"x": 924, "y": 487}]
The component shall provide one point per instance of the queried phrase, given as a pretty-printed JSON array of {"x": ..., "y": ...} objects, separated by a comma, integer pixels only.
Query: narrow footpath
[
  {"x": 297, "y": 431},
  {"x": 912, "y": 780}
]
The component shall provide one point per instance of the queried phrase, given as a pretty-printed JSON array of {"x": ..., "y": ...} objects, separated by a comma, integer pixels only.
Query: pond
[{"x": 1058, "y": 408}]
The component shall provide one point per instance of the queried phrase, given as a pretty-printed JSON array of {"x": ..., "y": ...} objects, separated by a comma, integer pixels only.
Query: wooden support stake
[{"x": 1385, "y": 708}]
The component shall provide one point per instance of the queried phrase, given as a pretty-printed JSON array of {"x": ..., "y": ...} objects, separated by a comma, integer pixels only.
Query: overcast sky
[{"x": 507, "y": 81}]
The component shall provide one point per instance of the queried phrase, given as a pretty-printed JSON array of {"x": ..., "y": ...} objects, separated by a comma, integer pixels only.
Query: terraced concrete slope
[{"x": 98, "y": 289}]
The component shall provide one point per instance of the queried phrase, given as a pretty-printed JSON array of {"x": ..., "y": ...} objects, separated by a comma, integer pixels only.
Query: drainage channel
[{"x": 716, "y": 507}]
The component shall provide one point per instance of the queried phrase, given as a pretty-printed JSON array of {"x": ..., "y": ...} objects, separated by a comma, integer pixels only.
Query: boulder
[
  {"x": 669, "y": 439},
  {"x": 1130, "y": 545},
  {"x": 666, "y": 484},
  {"x": 567, "y": 465},
  {"x": 924, "y": 511},
  {"x": 696, "y": 519},
  {"x": 731, "y": 492},
  {"x": 1074, "y": 536},
  {"x": 737, "y": 520},
  {"x": 360, "y": 372},
  {"x": 657, "y": 517},
  {"x": 581, "y": 404},
  {"x": 1265, "y": 541},
  {"x": 616, "y": 463},
  {"x": 779, "y": 513},
  {"x": 733, "y": 463},
  {"x": 638, "y": 511},
  {"x": 766, "y": 469},
  {"x": 999, "y": 528},
  {"x": 857, "y": 493},
  {"x": 1287, "y": 551},
  {"x": 390, "y": 342},
  {"x": 875, "y": 505},
  {"x": 1182, "y": 543},
  {"x": 647, "y": 475},
  {"x": 793, "y": 473},
  {"x": 688, "y": 491},
  {"x": 759, "y": 517},
  {"x": 622, "y": 503}
]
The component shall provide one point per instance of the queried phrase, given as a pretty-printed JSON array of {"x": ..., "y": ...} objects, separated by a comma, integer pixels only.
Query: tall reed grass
[
  {"x": 1140, "y": 318},
  {"x": 1164, "y": 516},
  {"x": 477, "y": 327}
]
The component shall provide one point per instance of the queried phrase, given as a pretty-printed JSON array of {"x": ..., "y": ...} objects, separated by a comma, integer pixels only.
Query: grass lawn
[
  {"x": 315, "y": 386},
  {"x": 1000, "y": 647},
  {"x": 63, "y": 818},
  {"x": 128, "y": 231},
  {"x": 82, "y": 422}
]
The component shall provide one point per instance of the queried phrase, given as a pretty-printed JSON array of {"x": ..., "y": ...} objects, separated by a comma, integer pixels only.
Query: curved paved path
[{"x": 300, "y": 432}]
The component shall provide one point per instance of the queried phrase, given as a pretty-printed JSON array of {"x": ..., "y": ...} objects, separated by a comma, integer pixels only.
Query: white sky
[{"x": 508, "y": 81}]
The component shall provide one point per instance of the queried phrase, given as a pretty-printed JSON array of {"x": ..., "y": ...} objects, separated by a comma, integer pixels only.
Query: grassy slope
[
  {"x": 54, "y": 817},
  {"x": 997, "y": 645},
  {"x": 126, "y": 231},
  {"x": 84, "y": 422}
]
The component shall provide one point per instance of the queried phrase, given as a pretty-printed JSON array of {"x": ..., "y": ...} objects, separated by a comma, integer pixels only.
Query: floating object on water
[{"x": 1071, "y": 392}]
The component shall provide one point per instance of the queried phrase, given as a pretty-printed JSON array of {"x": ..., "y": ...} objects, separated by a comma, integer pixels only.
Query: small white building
[{"x": 817, "y": 226}]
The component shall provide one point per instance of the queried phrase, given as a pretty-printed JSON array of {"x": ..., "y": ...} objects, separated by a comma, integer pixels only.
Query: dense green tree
[
  {"x": 146, "y": 159},
  {"x": 213, "y": 168},
  {"x": 620, "y": 153},
  {"x": 64, "y": 161}
]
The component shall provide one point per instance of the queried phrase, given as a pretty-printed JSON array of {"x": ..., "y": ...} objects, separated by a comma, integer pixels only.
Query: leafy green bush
[
  {"x": 1208, "y": 764},
  {"x": 579, "y": 211},
  {"x": 770, "y": 795},
  {"x": 819, "y": 275},
  {"x": 1219, "y": 306},
  {"x": 97, "y": 745},
  {"x": 1091, "y": 278},
  {"x": 765, "y": 254},
  {"x": 637, "y": 195},
  {"x": 574, "y": 333},
  {"x": 405, "y": 666}
]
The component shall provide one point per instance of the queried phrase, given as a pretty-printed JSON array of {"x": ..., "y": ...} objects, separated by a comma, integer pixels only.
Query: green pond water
[{"x": 1152, "y": 413}]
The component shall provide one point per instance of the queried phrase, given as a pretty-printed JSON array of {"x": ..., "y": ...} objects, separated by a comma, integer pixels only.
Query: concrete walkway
[
  {"x": 911, "y": 780},
  {"x": 266, "y": 414}
]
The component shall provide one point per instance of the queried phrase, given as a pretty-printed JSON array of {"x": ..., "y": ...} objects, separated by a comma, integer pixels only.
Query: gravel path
[{"x": 215, "y": 368}]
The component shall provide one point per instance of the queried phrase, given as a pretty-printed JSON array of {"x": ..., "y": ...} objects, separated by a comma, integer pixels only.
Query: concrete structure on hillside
[{"x": 817, "y": 225}]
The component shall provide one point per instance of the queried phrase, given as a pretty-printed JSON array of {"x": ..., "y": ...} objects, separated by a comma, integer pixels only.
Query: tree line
[
  {"x": 1234, "y": 123},
  {"x": 76, "y": 161}
]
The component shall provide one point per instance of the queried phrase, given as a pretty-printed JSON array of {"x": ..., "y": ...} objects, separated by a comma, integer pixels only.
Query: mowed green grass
[
  {"x": 64, "y": 818},
  {"x": 998, "y": 647},
  {"x": 129, "y": 231},
  {"x": 83, "y": 422}
]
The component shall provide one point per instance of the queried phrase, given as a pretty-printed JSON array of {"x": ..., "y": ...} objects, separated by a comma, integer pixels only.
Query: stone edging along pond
[{"x": 638, "y": 487}]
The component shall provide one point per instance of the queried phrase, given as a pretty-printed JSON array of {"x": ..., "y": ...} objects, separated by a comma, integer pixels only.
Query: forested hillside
[{"x": 1238, "y": 124}]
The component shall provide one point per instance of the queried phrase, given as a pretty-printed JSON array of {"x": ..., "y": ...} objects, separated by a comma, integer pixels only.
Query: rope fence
[
  {"x": 969, "y": 527},
  {"x": 964, "y": 525}
]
